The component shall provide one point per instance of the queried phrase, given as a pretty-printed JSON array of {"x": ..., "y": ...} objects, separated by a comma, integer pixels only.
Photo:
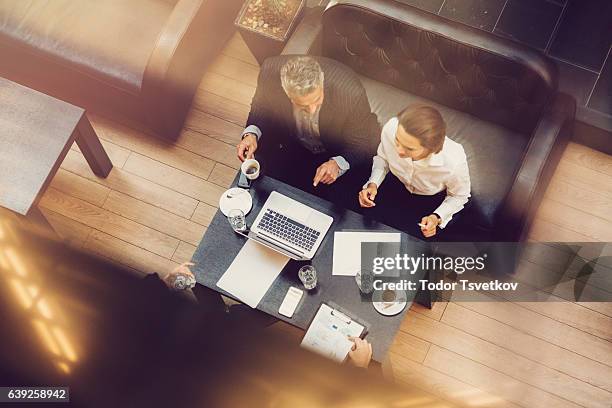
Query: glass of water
[
  {"x": 308, "y": 276},
  {"x": 237, "y": 220}
]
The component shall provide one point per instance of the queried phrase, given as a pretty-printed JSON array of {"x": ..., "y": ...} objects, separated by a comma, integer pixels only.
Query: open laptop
[{"x": 290, "y": 227}]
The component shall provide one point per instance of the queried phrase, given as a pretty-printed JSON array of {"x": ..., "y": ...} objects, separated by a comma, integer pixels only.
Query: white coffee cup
[{"x": 250, "y": 168}]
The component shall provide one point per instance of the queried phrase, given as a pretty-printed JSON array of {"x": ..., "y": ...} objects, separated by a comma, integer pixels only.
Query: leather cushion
[
  {"x": 440, "y": 60},
  {"x": 494, "y": 153},
  {"x": 109, "y": 39}
]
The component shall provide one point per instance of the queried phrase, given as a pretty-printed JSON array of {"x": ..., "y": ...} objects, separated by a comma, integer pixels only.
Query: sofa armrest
[
  {"x": 194, "y": 33},
  {"x": 307, "y": 36},
  {"x": 548, "y": 142}
]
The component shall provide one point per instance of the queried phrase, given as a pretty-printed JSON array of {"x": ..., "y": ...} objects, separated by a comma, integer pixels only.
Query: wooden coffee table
[{"x": 36, "y": 132}]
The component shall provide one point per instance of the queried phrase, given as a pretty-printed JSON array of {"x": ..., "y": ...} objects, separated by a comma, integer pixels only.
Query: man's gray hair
[{"x": 301, "y": 76}]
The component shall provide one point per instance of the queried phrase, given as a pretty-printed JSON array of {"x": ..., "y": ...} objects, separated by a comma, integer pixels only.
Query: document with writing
[
  {"x": 347, "y": 249},
  {"x": 329, "y": 333},
  {"x": 252, "y": 272}
]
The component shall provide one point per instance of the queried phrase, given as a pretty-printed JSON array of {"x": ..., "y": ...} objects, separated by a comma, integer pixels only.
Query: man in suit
[{"x": 311, "y": 125}]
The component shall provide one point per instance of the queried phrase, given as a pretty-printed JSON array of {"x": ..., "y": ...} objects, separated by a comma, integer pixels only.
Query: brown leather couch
[
  {"x": 138, "y": 60},
  {"x": 499, "y": 98}
]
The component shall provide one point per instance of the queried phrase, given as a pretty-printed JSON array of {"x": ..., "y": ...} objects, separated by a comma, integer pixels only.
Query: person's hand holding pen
[
  {"x": 361, "y": 353},
  {"x": 429, "y": 225},
  {"x": 367, "y": 196}
]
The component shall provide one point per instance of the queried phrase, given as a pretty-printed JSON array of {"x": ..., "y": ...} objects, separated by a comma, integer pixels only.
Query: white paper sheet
[
  {"x": 329, "y": 333},
  {"x": 252, "y": 273},
  {"x": 347, "y": 249}
]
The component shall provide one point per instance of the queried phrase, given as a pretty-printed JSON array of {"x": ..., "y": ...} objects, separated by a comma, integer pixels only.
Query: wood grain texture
[
  {"x": 157, "y": 149},
  {"x": 72, "y": 232},
  {"x": 174, "y": 179},
  {"x": 221, "y": 107},
  {"x": 531, "y": 347},
  {"x": 134, "y": 186},
  {"x": 505, "y": 361},
  {"x": 491, "y": 381},
  {"x": 224, "y": 86},
  {"x": 154, "y": 217},
  {"x": 204, "y": 214},
  {"x": 459, "y": 393},
  {"x": 235, "y": 69},
  {"x": 80, "y": 187},
  {"x": 222, "y": 175},
  {"x": 110, "y": 223},
  {"x": 237, "y": 48},
  {"x": 128, "y": 254},
  {"x": 184, "y": 252}
]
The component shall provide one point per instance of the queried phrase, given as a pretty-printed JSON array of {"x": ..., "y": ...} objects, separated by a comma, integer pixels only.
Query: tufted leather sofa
[
  {"x": 499, "y": 99},
  {"x": 137, "y": 60}
]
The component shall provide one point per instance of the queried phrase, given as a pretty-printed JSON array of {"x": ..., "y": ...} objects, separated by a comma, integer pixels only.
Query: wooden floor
[{"x": 152, "y": 210}]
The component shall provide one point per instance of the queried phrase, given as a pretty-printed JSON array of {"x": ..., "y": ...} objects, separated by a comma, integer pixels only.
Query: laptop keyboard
[{"x": 292, "y": 231}]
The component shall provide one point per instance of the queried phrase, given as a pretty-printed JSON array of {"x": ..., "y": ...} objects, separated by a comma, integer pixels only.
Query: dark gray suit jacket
[{"x": 347, "y": 126}]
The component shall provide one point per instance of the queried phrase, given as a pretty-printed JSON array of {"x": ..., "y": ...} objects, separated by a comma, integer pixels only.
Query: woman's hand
[
  {"x": 367, "y": 196},
  {"x": 429, "y": 225}
]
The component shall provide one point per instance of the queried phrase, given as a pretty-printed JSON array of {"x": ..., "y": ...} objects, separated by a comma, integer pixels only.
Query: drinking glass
[
  {"x": 237, "y": 220},
  {"x": 308, "y": 276}
]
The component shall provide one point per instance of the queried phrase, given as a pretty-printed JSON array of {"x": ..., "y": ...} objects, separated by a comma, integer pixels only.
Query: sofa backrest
[{"x": 458, "y": 66}]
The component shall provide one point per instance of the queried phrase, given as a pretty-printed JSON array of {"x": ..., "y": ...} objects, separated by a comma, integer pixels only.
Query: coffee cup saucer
[
  {"x": 389, "y": 308},
  {"x": 235, "y": 198}
]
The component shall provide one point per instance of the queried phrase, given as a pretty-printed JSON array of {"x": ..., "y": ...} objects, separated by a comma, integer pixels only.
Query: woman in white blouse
[{"x": 432, "y": 181}]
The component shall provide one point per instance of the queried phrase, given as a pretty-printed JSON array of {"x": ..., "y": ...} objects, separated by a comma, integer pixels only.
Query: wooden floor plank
[
  {"x": 492, "y": 381},
  {"x": 529, "y": 346},
  {"x": 583, "y": 178},
  {"x": 128, "y": 254},
  {"x": 204, "y": 214},
  {"x": 451, "y": 389},
  {"x": 235, "y": 69},
  {"x": 544, "y": 328},
  {"x": 72, "y": 232},
  {"x": 436, "y": 311},
  {"x": 117, "y": 154},
  {"x": 543, "y": 230},
  {"x": 175, "y": 179},
  {"x": 212, "y": 126},
  {"x": 222, "y": 175},
  {"x": 160, "y": 150},
  {"x": 588, "y": 201},
  {"x": 154, "y": 217},
  {"x": 410, "y": 346},
  {"x": 210, "y": 147},
  {"x": 237, "y": 48},
  {"x": 221, "y": 107},
  {"x": 505, "y": 361},
  {"x": 110, "y": 223},
  {"x": 148, "y": 191},
  {"x": 576, "y": 220},
  {"x": 228, "y": 88},
  {"x": 574, "y": 315},
  {"x": 80, "y": 187},
  {"x": 590, "y": 158},
  {"x": 183, "y": 253}
]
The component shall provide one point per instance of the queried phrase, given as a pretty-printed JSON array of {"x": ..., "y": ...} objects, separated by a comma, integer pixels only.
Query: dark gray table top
[
  {"x": 36, "y": 132},
  {"x": 220, "y": 246}
]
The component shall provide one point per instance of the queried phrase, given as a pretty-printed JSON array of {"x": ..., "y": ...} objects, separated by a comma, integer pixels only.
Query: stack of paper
[{"x": 347, "y": 249}]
